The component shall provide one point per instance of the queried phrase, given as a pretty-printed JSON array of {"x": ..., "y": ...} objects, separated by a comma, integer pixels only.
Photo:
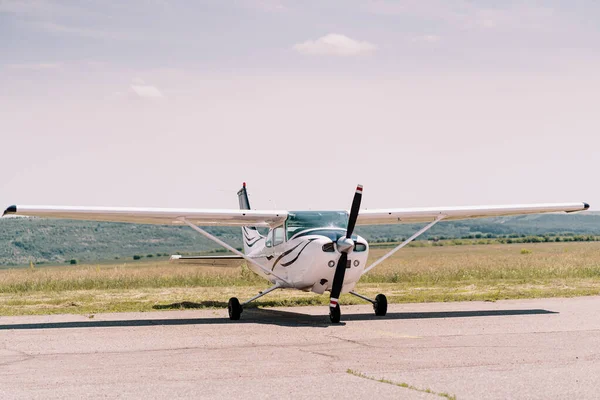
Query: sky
[{"x": 176, "y": 103}]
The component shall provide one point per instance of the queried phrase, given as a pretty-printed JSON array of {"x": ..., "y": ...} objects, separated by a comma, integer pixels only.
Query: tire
[
  {"x": 335, "y": 314},
  {"x": 380, "y": 305},
  {"x": 234, "y": 308}
]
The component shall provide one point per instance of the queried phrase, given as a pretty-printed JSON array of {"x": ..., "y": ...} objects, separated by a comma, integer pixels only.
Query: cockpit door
[{"x": 275, "y": 239}]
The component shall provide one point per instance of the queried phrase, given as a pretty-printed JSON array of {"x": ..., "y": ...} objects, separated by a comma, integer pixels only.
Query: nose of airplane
[{"x": 345, "y": 245}]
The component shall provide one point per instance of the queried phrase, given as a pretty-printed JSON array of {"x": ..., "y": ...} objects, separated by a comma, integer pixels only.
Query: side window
[
  {"x": 269, "y": 241},
  {"x": 278, "y": 235}
]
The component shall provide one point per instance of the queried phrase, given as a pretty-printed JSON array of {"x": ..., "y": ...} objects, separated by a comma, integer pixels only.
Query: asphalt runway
[{"x": 542, "y": 349}]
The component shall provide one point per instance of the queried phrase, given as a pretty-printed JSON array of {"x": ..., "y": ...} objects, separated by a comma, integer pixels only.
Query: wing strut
[
  {"x": 261, "y": 294},
  {"x": 401, "y": 245},
  {"x": 232, "y": 249}
]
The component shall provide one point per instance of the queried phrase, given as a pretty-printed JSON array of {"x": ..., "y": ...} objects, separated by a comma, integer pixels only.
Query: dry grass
[
  {"x": 498, "y": 261},
  {"x": 400, "y": 384},
  {"x": 416, "y": 274},
  {"x": 122, "y": 276}
]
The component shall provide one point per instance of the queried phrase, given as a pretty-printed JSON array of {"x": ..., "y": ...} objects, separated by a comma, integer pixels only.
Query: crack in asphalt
[
  {"x": 24, "y": 356},
  {"x": 352, "y": 341},
  {"x": 330, "y": 356}
]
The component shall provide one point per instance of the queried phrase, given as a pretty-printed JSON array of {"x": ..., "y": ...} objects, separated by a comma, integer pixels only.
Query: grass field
[{"x": 417, "y": 274}]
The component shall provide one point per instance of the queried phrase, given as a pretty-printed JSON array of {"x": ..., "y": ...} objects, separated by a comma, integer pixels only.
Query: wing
[
  {"x": 158, "y": 216},
  {"x": 412, "y": 215}
]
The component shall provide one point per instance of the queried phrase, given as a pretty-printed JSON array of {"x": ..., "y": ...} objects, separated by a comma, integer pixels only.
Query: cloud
[
  {"x": 39, "y": 8},
  {"x": 58, "y": 28},
  {"x": 486, "y": 22},
  {"x": 470, "y": 15},
  {"x": 264, "y": 5},
  {"x": 35, "y": 66},
  {"x": 519, "y": 17},
  {"x": 427, "y": 38},
  {"x": 46, "y": 15},
  {"x": 335, "y": 45},
  {"x": 138, "y": 81},
  {"x": 146, "y": 91},
  {"x": 84, "y": 32}
]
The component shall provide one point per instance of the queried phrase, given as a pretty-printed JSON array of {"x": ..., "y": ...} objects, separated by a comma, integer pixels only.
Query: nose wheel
[{"x": 334, "y": 314}]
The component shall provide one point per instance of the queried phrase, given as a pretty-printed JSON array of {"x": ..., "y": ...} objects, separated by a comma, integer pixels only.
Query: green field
[{"x": 418, "y": 274}]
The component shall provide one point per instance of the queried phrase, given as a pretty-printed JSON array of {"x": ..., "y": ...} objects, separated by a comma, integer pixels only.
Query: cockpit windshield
[{"x": 299, "y": 221}]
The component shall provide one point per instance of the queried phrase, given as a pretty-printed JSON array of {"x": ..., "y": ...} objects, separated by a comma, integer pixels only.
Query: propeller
[{"x": 345, "y": 245}]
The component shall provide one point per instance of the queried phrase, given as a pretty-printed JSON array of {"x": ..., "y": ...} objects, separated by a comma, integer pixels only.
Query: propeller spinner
[{"x": 345, "y": 245}]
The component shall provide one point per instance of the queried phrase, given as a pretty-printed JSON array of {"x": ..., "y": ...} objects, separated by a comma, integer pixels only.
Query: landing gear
[
  {"x": 335, "y": 314},
  {"x": 380, "y": 305},
  {"x": 235, "y": 309}
]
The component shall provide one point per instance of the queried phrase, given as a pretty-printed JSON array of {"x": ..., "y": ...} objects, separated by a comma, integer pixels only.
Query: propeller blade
[
  {"x": 338, "y": 280},
  {"x": 345, "y": 246},
  {"x": 354, "y": 211}
]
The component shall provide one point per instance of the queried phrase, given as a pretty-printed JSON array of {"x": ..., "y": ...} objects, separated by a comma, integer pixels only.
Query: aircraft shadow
[
  {"x": 273, "y": 317},
  {"x": 190, "y": 305}
]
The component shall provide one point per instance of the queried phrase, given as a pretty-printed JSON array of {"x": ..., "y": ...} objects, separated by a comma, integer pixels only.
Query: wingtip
[{"x": 10, "y": 210}]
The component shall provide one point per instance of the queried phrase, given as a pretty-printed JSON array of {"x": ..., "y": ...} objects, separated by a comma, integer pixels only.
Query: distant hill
[
  {"x": 55, "y": 241},
  {"x": 542, "y": 224},
  {"x": 33, "y": 239}
]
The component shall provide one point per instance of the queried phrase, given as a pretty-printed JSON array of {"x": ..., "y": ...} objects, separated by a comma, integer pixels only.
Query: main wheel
[
  {"x": 335, "y": 314},
  {"x": 380, "y": 305},
  {"x": 234, "y": 308}
]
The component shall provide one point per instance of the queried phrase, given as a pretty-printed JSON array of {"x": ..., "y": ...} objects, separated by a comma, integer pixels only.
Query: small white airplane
[{"x": 306, "y": 250}]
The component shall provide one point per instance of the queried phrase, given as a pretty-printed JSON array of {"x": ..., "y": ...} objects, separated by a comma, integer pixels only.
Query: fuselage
[{"x": 303, "y": 251}]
